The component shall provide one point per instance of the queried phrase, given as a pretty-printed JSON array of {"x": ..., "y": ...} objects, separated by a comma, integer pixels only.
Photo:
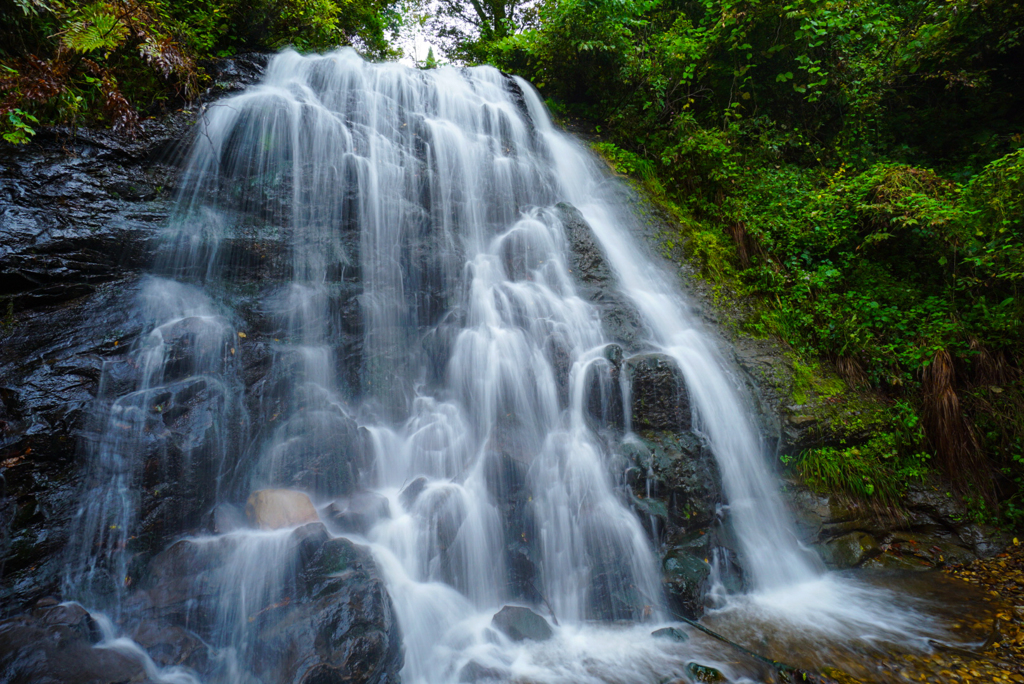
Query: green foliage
[
  {"x": 94, "y": 27},
  {"x": 879, "y": 468},
  {"x": 18, "y": 129},
  {"x": 808, "y": 382},
  {"x": 430, "y": 62},
  {"x": 629, "y": 164},
  {"x": 466, "y": 30},
  {"x": 853, "y": 166},
  {"x": 94, "y": 62}
]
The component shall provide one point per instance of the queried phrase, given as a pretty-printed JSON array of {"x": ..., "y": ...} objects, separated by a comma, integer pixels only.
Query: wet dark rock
[
  {"x": 671, "y": 633},
  {"x": 557, "y": 351},
  {"x": 658, "y": 394},
  {"x": 597, "y": 283},
  {"x": 194, "y": 345},
  {"x": 79, "y": 214},
  {"x": 933, "y": 530},
  {"x": 473, "y": 672},
  {"x": 359, "y": 512},
  {"x": 411, "y": 492},
  {"x": 181, "y": 433},
  {"x": 171, "y": 645},
  {"x": 678, "y": 471},
  {"x": 51, "y": 361},
  {"x": 519, "y": 623},
  {"x": 508, "y": 485},
  {"x": 675, "y": 488},
  {"x": 236, "y": 73},
  {"x": 341, "y": 629},
  {"x": 438, "y": 345},
  {"x": 330, "y": 621},
  {"x": 704, "y": 673},
  {"x": 612, "y": 594},
  {"x": 319, "y": 451},
  {"x": 685, "y": 578},
  {"x": 587, "y": 259},
  {"x": 520, "y": 254},
  {"x": 54, "y": 643},
  {"x": 849, "y": 550}
]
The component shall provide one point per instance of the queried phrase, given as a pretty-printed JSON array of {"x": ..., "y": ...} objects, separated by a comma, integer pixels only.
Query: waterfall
[
  {"x": 772, "y": 556},
  {"x": 426, "y": 368}
]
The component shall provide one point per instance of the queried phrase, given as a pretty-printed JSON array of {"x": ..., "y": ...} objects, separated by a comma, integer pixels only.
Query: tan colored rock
[{"x": 272, "y": 509}]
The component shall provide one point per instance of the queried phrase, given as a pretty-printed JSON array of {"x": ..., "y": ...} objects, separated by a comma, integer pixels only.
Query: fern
[{"x": 95, "y": 27}]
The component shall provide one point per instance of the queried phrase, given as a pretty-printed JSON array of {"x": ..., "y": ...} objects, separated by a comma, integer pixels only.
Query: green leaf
[{"x": 95, "y": 27}]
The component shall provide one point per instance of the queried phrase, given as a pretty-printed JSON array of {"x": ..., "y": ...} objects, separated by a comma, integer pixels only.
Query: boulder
[
  {"x": 848, "y": 551},
  {"x": 685, "y": 578},
  {"x": 473, "y": 672},
  {"x": 359, "y": 512},
  {"x": 518, "y": 624},
  {"x": 319, "y": 614},
  {"x": 411, "y": 492},
  {"x": 339, "y": 628},
  {"x": 658, "y": 396},
  {"x": 674, "y": 475},
  {"x": 56, "y": 643},
  {"x": 319, "y": 450},
  {"x": 671, "y": 634},
  {"x": 273, "y": 509}
]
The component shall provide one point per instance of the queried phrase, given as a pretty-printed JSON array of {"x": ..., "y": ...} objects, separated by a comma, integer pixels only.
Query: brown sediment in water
[
  {"x": 990, "y": 625},
  {"x": 978, "y": 609}
]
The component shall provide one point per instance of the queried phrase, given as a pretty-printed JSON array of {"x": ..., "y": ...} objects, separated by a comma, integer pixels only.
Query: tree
[{"x": 464, "y": 27}]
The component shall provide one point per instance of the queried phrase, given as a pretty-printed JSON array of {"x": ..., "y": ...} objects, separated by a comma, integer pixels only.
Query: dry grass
[
  {"x": 951, "y": 434},
  {"x": 850, "y": 370}
]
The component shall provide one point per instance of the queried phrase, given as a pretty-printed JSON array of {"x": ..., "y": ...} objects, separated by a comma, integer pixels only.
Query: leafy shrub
[{"x": 91, "y": 62}]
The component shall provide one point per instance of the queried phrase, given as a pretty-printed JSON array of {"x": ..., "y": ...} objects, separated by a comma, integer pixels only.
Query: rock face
[
  {"x": 79, "y": 215},
  {"x": 672, "y": 481},
  {"x": 272, "y": 509},
  {"x": 675, "y": 488},
  {"x": 596, "y": 281},
  {"x": 328, "y": 620},
  {"x": 54, "y": 643},
  {"x": 659, "y": 399},
  {"x": 934, "y": 531}
]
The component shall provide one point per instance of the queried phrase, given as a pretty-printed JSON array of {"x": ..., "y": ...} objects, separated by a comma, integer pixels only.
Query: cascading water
[{"x": 429, "y": 371}]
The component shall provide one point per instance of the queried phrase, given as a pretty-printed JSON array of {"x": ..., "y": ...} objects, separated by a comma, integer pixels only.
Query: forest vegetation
[
  {"x": 853, "y": 167},
  {"x": 856, "y": 168}
]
